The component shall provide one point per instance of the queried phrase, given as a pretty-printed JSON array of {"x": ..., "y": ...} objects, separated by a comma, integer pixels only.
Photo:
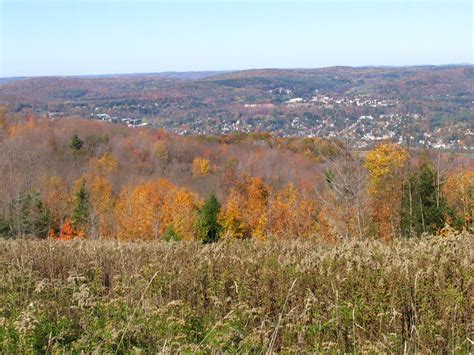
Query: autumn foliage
[
  {"x": 385, "y": 165},
  {"x": 147, "y": 184},
  {"x": 66, "y": 232},
  {"x": 459, "y": 190}
]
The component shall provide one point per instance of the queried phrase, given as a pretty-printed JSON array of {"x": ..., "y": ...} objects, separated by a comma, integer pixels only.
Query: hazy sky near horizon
[{"x": 104, "y": 37}]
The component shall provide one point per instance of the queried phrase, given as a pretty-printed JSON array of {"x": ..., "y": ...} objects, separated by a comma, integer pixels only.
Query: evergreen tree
[
  {"x": 29, "y": 216},
  {"x": 39, "y": 217},
  {"x": 81, "y": 213},
  {"x": 421, "y": 210},
  {"x": 207, "y": 226},
  {"x": 171, "y": 235},
  {"x": 329, "y": 177},
  {"x": 76, "y": 143},
  {"x": 5, "y": 227}
]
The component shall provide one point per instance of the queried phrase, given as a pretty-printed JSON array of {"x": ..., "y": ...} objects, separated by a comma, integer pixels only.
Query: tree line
[{"x": 78, "y": 179}]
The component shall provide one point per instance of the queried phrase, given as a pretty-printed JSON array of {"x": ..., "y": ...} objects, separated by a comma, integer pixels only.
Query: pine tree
[
  {"x": 427, "y": 214},
  {"x": 29, "y": 216},
  {"x": 5, "y": 227},
  {"x": 76, "y": 143},
  {"x": 206, "y": 225},
  {"x": 81, "y": 213},
  {"x": 40, "y": 217},
  {"x": 171, "y": 235}
]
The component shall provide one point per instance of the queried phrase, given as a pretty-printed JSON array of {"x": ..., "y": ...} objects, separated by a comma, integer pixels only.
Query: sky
[{"x": 85, "y": 37}]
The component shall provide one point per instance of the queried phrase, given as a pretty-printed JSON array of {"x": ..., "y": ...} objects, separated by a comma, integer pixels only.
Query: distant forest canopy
[
  {"x": 75, "y": 178},
  {"x": 425, "y": 106}
]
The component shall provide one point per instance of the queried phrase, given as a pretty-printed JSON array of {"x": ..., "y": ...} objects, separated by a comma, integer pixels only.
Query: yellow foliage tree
[
  {"x": 145, "y": 211},
  {"x": 232, "y": 218},
  {"x": 459, "y": 191},
  {"x": 183, "y": 214},
  {"x": 386, "y": 165},
  {"x": 201, "y": 166},
  {"x": 142, "y": 212},
  {"x": 20, "y": 129},
  {"x": 106, "y": 164},
  {"x": 257, "y": 205},
  {"x": 246, "y": 211},
  {"x": 161, "y": 151}
]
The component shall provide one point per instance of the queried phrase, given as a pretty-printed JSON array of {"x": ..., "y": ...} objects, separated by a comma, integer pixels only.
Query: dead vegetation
[{"x": 237, "y": 296}]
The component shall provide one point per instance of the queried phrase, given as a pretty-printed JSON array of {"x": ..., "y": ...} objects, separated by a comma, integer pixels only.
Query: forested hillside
[
  {"x": 70, "y": 178},
  {"x": 424, "y": 106}
]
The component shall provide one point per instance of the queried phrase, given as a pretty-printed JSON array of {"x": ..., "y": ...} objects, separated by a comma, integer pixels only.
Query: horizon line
[{"x": 233, "y": 70}]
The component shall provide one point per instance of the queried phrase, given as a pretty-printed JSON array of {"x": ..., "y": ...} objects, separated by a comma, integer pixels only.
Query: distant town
[
  {"x": 428, "y": 107},
  {"x": 361, "y": 132}
]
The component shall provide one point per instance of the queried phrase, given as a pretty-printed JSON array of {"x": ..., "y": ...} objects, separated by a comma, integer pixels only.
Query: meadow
[{"x": 409, "y": 295}]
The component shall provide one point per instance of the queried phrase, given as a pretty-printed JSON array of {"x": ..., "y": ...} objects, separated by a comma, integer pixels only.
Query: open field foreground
[{"x": 108, "y": 296}]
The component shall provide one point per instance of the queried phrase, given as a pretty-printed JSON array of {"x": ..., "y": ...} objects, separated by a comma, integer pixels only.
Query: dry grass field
[{"x": 242, "y": 296}]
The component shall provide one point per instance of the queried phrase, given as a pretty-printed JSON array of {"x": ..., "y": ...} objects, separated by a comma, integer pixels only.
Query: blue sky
[{"x": 104, "y": 37}]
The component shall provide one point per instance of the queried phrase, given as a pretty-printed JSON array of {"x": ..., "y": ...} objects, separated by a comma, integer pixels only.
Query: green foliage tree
[
  {"x": 207, "y": 227},
  {"x": 28, "y": 216},
  {"x": 81, "y": 213},
  {"x": 40, "y": 218},
  {"x": 5, "y": 227},
  {"x": 329, "y": 174},
  {"x": 76, "y": 143},
  {"x": 422, "y": 211},
  {"x": 171, "y": 235}
]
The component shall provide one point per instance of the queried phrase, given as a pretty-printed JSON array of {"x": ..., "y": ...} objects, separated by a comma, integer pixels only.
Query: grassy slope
[{"x": 240, "y": 296}]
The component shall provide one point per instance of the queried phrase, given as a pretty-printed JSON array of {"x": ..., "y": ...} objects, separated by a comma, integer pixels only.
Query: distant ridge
[
  {"x": 201, "y": 74},
  {"x": 176, "y": 75},
  {"x": 366, "y": 103}
]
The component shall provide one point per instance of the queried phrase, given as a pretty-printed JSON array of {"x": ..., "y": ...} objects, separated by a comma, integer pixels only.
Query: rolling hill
[{"x": 428, "y": 104}]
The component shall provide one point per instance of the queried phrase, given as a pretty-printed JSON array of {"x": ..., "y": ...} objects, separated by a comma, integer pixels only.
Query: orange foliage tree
[
  {"x": 253, "y": 210},
  {"x": 146, "y": 210},
  {"x": 291, "y": 214},
  {"x": 246, "y": 212},
  {"x": 66, "y": 232},
  {"x": 141, "y": 211},
  {"x": 56, "y": 198},
  {"x": 257, "y": 204},
  {"x": 102, "y": 203}
]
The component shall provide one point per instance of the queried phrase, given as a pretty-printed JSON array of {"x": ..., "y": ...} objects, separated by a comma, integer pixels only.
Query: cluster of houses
[
  {"x": 331, "y": 102},
  {"x": 361, "y": 132},
  {"x": 267, "y": 105},
  {"x": 129, "y": 122},
  {"x": 105, "y": 117},
  {"x": 357, "y": 100},
  {"x": 55, "y": 114}
]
